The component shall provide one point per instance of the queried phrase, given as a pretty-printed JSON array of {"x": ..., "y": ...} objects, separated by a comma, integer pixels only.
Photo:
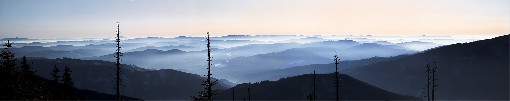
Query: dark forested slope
[
  {"x": 299, "y": 87},
  {"x": 466, "y": 71},
  {"x": 141, "y": 83}
]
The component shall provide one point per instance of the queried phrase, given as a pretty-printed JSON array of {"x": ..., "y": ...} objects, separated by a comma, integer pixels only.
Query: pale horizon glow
[{"x": 170, "y": 18}]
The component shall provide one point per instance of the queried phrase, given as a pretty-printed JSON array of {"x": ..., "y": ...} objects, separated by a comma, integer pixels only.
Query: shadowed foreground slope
[
  {"x": 466, "y": 71},
  {"x": 298, "y": 88},
  {"x": 97, "y": 75}
]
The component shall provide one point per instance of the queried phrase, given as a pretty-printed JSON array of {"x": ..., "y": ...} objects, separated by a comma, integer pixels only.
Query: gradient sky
[{"x": 169, "y": 18}]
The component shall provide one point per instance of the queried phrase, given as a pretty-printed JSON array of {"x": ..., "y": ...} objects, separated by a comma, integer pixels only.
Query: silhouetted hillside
[
  {"x": 33, "y": 87},
  {"x": 466, "y": 71},
  {"x": 141, "y": 83},
  {"x": 298, "y": 87},
  {"x": 45, "y": 86},
  {"x": 93, "y": 95}
]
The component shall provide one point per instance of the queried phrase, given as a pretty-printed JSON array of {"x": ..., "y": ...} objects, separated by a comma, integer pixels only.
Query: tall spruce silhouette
[
  {"x": 66, "y": 77},
  {"x": 26, "y": 80},
  {"x": 54, "y": 74},
  {"x": 68, "y": 84},
  {"x": 431, "y": 81},
  {"x": 233, "y": 93},
  {"x": 428, "y": 82},
  {"x": 313, "y": 96},
  {"x": 25, "y": 68},
  {"x": 118, "y": 79},
  {"x": 8, "y": 61},
  {"x": 208, "y": 94},
  {"x": 249, "y": 94},
  {"x": 434, "y": 79},
  {"x": 337, "y": 80},
  {"x": 8, "y": 74},
  {"x": 55, "y": 85}
]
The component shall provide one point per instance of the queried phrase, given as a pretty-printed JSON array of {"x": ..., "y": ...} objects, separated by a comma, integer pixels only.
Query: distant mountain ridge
[
  {"x": 90, "y": 48},
  {"x": 241, "y": 59}
]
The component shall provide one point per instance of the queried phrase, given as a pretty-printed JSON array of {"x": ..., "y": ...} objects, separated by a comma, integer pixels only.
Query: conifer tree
[
  {"x": 233, "y": 94},
  {"x": 249, "y": 94},
  {"x": 8, "y": 61},
  {"x": 434, "y": 79},
  {"x": 16, "y": 84},
  {"x": 55, "y": 75},
  {"x": 25, "y": 68},
  {"x": 431, "y": 81},
  {"x": 428, "y": 82},
  {"x": 337, "y": 80},
  {"x": 118, "y": 79},
  {"x": 314, "y": 87},
  {"x": 208, "y": 94},
  {"x": 66, "y": 77},
  {"x": 313, "y": 96},
  {"x": 9, "y": 84},
  {"x": 67, "y": 84},
  {"x": 26, "y": 82},
  {"x": 56, "y": 89}
]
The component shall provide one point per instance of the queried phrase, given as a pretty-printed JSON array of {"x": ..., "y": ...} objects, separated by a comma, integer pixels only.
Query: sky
[{"x": 170, "y": 18}]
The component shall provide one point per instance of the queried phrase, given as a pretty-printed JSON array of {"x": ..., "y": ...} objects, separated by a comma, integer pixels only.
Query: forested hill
[
  {"x": 97, "y": 75},
  {"x": 18, "y": 82},
  {"x": 299, "y": 87},
  {"x": 466, "y": 71}
]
